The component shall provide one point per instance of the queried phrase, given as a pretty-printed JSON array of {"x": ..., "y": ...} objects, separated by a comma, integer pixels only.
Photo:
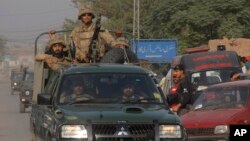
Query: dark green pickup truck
[
  {"x": 101, "y": 112},
  {"x": 16, "y": 78}
]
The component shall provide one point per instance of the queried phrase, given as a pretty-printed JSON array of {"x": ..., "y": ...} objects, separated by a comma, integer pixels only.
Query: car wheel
[
  {"x": 117, "y": 55},
  {"x": 22, "y": 107}
]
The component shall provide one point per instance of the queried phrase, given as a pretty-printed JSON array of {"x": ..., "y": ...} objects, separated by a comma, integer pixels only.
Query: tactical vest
[
  {"x": 83, "y": 44},
  {"x": 84, "y": 41}
]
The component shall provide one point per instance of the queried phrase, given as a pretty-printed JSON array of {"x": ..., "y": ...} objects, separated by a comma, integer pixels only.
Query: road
[{"x": 14, "y": 126}]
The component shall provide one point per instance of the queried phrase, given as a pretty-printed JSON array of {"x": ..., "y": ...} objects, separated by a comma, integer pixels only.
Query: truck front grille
[{"x": 124, "y": 132}]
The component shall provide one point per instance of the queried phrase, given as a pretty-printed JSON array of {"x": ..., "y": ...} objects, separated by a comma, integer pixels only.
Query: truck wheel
[
  {"x": 48, "y": 137},
  {"x": 22, "y": 107},
  {"x": 117, "y": 55},
  {"x": 34, "y": 135}
]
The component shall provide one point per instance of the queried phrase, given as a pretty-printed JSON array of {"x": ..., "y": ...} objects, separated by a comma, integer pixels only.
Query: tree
[{"x": 192, "y": 22}]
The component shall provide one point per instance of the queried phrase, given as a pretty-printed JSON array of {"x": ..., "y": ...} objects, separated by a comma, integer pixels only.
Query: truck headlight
[
  {"x": 27, "y": 92},
  {"x": 170, "y": 131},
  {"x": 74, "y": 131},
  {"x": 221, "y": 129}
]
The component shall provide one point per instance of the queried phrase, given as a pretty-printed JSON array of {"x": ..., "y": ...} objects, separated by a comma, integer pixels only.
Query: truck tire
[
  {"x": 34, "y": 136},
  {"x": 116, "y": 55},
  {"x": 48, "y": 137},
  {"x": 22, "y": 107}
]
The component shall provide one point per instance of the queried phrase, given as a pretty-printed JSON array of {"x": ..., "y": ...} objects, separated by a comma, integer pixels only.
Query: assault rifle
[
  {"x": 72, "y": 49},
  {"x": 93, "y": 51}
]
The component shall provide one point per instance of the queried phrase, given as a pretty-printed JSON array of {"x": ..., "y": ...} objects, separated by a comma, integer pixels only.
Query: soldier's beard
[{"x": 57, "y": 54}]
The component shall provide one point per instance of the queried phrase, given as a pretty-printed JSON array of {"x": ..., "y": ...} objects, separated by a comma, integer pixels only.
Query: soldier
[
  {"x": 77, "y": 92},
  {"x": 129, "y": 92},
  {"x": 56, "y": 56},
  {"x": 83, "y": 34}
]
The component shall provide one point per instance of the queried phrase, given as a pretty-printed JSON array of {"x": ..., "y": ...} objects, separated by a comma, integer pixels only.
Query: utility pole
[{"x": 136, "y": 20}]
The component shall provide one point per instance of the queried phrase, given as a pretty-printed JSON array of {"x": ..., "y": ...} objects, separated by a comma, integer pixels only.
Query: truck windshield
[
  {"x": 108, "y": 88},
  {"x": 29, "y": 76},
  {"x": 18, "y": 76}
]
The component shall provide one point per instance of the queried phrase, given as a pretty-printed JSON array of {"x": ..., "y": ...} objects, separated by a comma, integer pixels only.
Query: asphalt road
[{"x": 14, "y": 126}]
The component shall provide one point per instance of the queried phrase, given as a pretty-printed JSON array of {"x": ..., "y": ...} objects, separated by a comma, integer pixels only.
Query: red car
[{"x": 218, "y": 107}]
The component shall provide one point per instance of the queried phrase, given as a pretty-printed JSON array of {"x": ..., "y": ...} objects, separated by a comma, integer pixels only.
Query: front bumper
[
  {"x": 134, "y": 132},
  {"x": 15, "y": 88},
  {"x": 209, "y": 138}
]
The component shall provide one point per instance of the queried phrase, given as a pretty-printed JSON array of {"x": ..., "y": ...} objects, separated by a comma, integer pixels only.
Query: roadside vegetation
[{"x": 191, "y": 22}]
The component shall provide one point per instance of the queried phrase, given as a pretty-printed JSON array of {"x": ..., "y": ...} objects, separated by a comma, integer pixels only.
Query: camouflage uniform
[
  {"x": 56, "y": 62},
  {"x": 121, "y": 41},
  {"x": 83, "y": 34}
]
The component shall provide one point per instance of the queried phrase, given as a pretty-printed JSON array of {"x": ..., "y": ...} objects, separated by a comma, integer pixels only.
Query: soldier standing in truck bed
[{"x": 83, "y": 34}]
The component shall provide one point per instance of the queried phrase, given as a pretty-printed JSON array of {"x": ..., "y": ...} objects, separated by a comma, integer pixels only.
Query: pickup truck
[
  {"x": 101, "y": 113},
  {"x": 26, "y": 91},
  {"x": 16, "y": 78}
]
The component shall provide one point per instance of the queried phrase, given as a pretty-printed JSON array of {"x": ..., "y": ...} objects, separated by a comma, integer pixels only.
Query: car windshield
[
  {"x": 120, "y": 88},
  {"x": 222, "y": 98}
]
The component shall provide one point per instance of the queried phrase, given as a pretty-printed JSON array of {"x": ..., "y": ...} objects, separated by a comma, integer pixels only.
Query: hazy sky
[{"x": 22, "y": 20}]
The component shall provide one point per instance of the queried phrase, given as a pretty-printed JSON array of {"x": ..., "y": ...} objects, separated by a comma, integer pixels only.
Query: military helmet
[
  {"x": 84, "y": 10},
  {"x": 56, "y": 41}
]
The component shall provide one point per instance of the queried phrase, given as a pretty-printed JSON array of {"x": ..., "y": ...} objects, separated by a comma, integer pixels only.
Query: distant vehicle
[
  {"x": 218, "y": 107},
  {"x": 16, "y": 78},
  {"x": 203, "y": 69},
  {"x": 26, "y": 91}
]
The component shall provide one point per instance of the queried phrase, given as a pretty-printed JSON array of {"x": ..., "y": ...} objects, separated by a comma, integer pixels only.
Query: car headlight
[
  {"x": 27, "y": 92},
  {"x": 170, "y": 131},
  {"x": 74, "y": 131},
  {"x": 221, "y": 129}
]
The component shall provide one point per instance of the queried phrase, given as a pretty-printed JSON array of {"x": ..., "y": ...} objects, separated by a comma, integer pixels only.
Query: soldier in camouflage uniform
[
  {"x": 56, "y": 57},
  {"x": 83, "y": 34}
]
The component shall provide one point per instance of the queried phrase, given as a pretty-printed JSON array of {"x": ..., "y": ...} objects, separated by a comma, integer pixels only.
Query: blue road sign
[{"x": 155, "y": 50}]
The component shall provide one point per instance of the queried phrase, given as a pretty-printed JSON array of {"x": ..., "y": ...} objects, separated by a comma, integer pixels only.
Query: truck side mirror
[{"x": 44, "y": 99}]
